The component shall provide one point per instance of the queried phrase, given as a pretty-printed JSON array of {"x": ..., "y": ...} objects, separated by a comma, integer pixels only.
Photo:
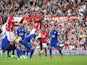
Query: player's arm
[
  {"x": 48, "y": 40},
  {"x": 26, "y": 33},
  {"x": 32, "y": 41},
  {"x": 59, "y": 39},
  {"x": 49, "y": 37},
  {"x": 16, "y": 33},
  {"x": 58, "y": 35},
  {"x": 16, "y": 40}
]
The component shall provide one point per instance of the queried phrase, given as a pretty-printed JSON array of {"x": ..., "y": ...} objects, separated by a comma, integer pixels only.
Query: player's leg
[
  {"x": 13, "y": 49},
  {"x": 41, "y": 47},
  {"x": 18, "y": 51},
  {"x": 39, "y": 52},
  {"x": 6, "y": 48},
  {"x": 10, "y": 48},
  {"x": 45, "y": 48},
  {"x": 50, "y": 50},
  {"x": 23, "y": 52},
  {"x": 27, "y": 52},
  {"x": 4, "y": 45},
  {"x": 85, "y": 45},
  {"x": 8, "y": 51},
  {"x": 2, "y": 53},
  {"x": 57, "y": 47},
  {"x": 32, "y": 51},
  {"x": 38, "y": 49},
  {"x": 7, "y": 45},
  {"x": 30, "y": 47},
  {"x": 45, "y": 51},
  {"x": 60, "y": 51},
  {"x": 18, "y": 43}
]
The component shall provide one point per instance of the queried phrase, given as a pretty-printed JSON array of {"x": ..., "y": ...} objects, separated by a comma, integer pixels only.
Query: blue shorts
[
  {"x": 26, "y": 44},
  {"x": 5, "y": 43},
  {"x": 55, "y": 45}
]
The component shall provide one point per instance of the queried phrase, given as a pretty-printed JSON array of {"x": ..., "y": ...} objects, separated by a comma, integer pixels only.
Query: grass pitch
[{"x": 56, "y": 60}]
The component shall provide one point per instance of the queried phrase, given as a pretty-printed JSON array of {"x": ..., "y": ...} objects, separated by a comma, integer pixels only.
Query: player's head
[
  {"x": 21, "y": 24},
  {"x": 36, "y": 32},
  {"x": 43, "y": 28},
  {"x": 53, "y": 28},
  {"x": 12, "y": 12}
]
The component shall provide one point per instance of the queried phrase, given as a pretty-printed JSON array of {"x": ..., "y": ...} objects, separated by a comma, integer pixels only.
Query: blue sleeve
[
  {"x": 16, "y": 31},
  {"x": 32, "y": 37},
  {"x": 58, "y": 33},
  {"x": 26, "y": 33}
]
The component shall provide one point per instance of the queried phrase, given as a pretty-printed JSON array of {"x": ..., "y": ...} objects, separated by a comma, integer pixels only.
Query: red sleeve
[
  {"x": 14, "y": 24},
  {"x": 10, "y": 23},
  {"x": 36, "y": 26}
]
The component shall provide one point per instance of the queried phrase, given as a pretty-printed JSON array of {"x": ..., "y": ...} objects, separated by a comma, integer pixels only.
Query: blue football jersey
[
  {"x": 26, "y": 41},
  {"x": 54, "y": 36},
  {"x": 27, "y": 33},
  {"x": 29, "y": 37},
  {"x": 21, "y": 32}
]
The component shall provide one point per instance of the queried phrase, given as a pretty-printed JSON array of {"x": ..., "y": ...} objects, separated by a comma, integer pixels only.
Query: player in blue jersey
[
  {"x": 20, "y": 31},
  {"x": 20, "y": 34},
  {"x": 28, "y": 42},
  {"x": 54, "y": 41}
]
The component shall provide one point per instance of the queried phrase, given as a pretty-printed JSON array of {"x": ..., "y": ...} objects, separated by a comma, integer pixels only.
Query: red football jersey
[
  {"x": 44, "y": 36},
  {"x": 10, "y": 23}
]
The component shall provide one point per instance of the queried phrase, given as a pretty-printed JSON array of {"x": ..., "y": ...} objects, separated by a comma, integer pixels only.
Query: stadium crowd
[{"x": 73, "y": 33}]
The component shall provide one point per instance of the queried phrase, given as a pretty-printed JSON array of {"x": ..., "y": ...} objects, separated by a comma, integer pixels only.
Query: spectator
[{"x": 71, "y": 31}]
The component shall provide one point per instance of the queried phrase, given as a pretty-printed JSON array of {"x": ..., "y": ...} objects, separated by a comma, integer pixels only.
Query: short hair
[{"x": 11, "y": 11}]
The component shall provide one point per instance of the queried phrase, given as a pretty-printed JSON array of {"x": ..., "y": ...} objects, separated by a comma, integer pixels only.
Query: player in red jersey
[
  {"x": 44, "y": 36},
  {"x": 10, "y": 35}
]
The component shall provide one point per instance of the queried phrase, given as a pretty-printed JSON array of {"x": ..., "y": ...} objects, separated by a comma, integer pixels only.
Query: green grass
[{"x": 56, "y": 60}]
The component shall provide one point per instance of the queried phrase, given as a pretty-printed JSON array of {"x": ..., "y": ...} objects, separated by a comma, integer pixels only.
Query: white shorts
[
  {"x": 44, "y": 45},
  {"x": 10, "y": 35},
  {"x": 38, "y": 47}
]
